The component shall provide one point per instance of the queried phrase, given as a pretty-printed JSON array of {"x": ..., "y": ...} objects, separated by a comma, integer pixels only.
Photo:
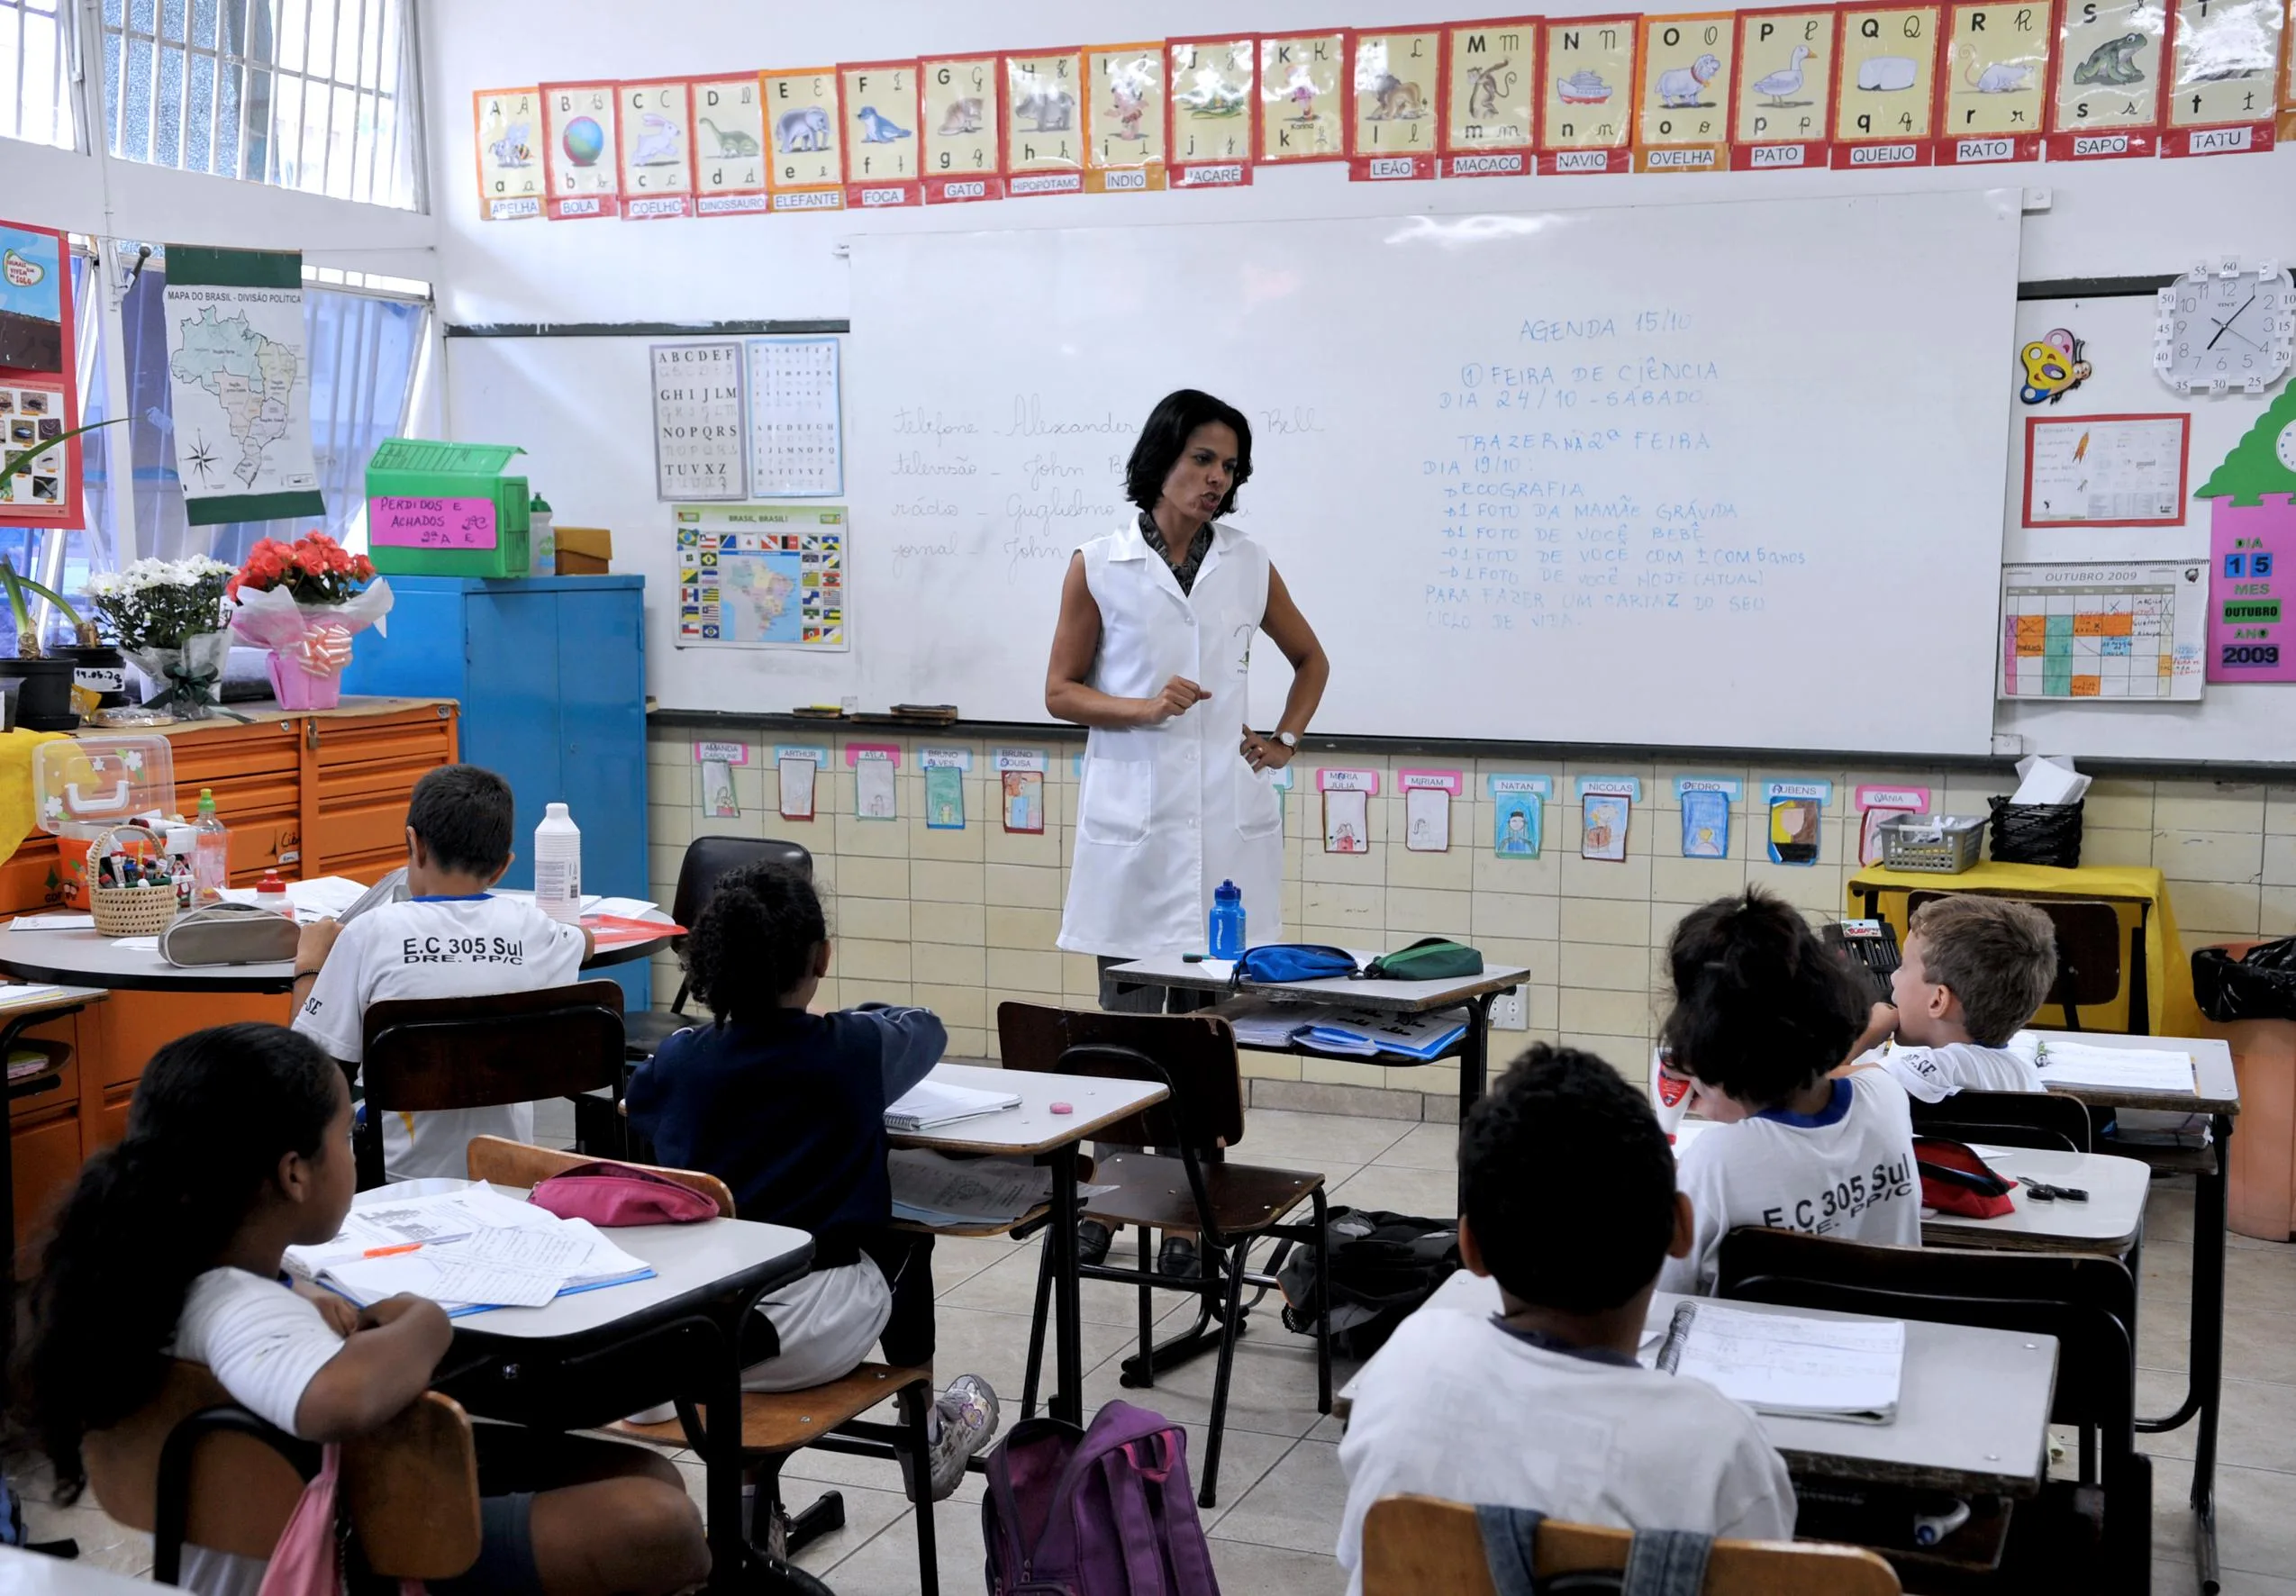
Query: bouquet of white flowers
[{"x": 168, "y": 618}]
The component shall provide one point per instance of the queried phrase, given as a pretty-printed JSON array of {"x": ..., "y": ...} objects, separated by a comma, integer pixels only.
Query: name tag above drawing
[{"x": 1346, "y": 781}]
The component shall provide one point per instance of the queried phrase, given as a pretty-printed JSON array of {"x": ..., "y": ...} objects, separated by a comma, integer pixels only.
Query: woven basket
[{"x": 127, "y": 910}]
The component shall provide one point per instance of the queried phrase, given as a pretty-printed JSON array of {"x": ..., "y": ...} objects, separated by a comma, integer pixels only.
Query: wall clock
[{"x": 2222, "y": 327}]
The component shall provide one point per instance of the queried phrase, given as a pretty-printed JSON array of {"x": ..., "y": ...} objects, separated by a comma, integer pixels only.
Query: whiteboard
[{"x": 1669, "y": 475}]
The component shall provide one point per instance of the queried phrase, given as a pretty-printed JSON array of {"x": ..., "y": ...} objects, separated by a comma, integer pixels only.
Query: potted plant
[
  {"x": 303, "y": 602},
  {"x": 168, "y": 618},
  {"x": 44, "y": 699}
]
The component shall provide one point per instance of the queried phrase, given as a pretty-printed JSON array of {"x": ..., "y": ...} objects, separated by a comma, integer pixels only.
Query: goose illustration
[{"x": 1786, "y": 80}]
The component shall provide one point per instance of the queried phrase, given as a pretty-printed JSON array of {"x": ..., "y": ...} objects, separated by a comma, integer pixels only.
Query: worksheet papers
[
  {"x": 53, "y": 922},
  {"x": 2128, "y": 1069},
  {"x": 1782, "y": 1363},
  {"x": 930, "y": 1104},
  {"x": 1260, "y": 1023},
  {"x": 326, "y": 897}
]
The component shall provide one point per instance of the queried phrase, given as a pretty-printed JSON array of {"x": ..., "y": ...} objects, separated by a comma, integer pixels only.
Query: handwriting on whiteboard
[{"x": 430, "y": 523}]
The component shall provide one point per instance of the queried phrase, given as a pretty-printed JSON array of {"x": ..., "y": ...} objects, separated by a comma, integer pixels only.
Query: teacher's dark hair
[{"x": 1177, "y": 415}]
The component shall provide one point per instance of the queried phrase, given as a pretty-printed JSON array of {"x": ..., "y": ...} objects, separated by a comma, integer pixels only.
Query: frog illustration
[{"x": 2112, "y": 62}]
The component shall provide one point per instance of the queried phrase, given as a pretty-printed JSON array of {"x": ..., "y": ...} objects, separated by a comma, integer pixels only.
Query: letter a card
[
  {"x": 1586, "y": 95},
  {"x": 1302, "y": 97},
  {"x": 2223, "y": 56},
  {"x": 1124, "y": 111},
  {"x": 884, "y": 108},
  {"x": 2109, "y": 82},
  {"x": 1393, "y": 129},
  {"x": 656, "y": 117},
  {"x": 578, "y": 151},
  {"x": 1686, "y": 96},
  {"x": 805, "y": 165},
  {"x": 1994, "y": 89},
  {"x": 728, "y": 146},
  {"x": 1885, "y": 86},
  {"x": 1782, "y": 115},
  {"x": 1044, "y": 121},
  {"x": 508, "y": 122},
  {"x": 1490, "y": 98},
  {"x": 1212, "y": 98},
  {"x": 961, "y": 136}
]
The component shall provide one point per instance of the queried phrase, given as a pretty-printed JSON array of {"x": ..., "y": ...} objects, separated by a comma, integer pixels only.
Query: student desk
[
  {"x": 2216, "y": 1092},
  {"x": 1033, "y": 1130},
  {"x": 2110, "y": 1221},
  {"x": 584, "y": 1360},
  {"x": 17, "y": 1016}
]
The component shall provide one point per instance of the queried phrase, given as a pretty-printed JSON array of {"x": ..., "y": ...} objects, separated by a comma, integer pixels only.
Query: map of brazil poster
[
  {"x": 762, "y": 576},
  {"x": 240, "y": 384}
]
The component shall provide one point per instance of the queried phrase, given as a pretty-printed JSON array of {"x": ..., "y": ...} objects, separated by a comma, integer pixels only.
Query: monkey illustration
[
  {"x": 1397, "y": 100},
  {"x": 1485, "y": 86}
]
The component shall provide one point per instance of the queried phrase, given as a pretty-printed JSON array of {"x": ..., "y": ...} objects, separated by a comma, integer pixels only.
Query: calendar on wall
[
  {"x": 796, "y": 429},
  {"x": 2117, "y": 631}
]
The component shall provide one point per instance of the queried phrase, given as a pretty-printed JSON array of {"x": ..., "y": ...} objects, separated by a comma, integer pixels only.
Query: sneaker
[
  {"x": 968, "y": 1414},
  {"x": 1177, "y": 1260},
  {"x": 1093, "y": 1239}
]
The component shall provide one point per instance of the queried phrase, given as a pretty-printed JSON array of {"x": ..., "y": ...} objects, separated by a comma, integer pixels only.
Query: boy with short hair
[
  {"x": 1975, "y": 971},
  {"x": 452, "y": 938},
  {"x": 1570, "y": 1203}
]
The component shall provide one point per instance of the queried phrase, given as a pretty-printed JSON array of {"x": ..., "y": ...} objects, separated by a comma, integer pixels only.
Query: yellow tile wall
[{"x": 962, "y": 921}]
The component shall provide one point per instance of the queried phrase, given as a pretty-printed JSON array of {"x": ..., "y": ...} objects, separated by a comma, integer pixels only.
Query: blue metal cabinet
[{"x": 551, "y": 671}]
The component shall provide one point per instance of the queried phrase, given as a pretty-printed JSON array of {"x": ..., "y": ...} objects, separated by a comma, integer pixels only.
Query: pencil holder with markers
[{"x": 132, "y": 890}]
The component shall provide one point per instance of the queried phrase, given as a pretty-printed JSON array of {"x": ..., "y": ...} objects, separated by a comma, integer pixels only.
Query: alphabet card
[
  {"x": 1885, "y": 86},
  {"x": 1490, "y": 98},
  {"x": 2110, "y": 85},
  {"x": 1586, "y": 87},
  {"x": 1518, "y": 804},
  {"x": 508, "y": 124},
  {"x": 1393, "y": 130},
  {"x": 1347, "y": 809},
  {"x": 1044, "y": 123},
  {"x": 961, "y": 135},
  {"x": 1124, "y": 111},
  {"x": 806, "y": 171},
  {"x": 578, "y": 151},
  {"x": 1706, "y": 801},
  {"x": 884, "y": 108},
  {"x": 1996, "y": 80},
  {"x": 699, "y": 441},
  {"x": 1782, "y": 106},
  {"x": 2223, "y": 57},
  {"x": 728, "y": 146},
  {"x": 1685, "y": 94},
  {"x": 656, "y": 123},
  {"x": 1303, "y": 96},
  {"x": 1211, "y": 99},
  {"x": 1427, "y": 808}
]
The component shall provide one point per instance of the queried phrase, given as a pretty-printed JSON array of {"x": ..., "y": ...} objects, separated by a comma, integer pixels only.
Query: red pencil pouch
[
  {"x": 1954, "y": 1180},
  {"x": 616, "y": 1194}
]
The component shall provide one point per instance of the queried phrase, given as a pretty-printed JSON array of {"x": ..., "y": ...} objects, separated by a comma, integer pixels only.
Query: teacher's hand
[
  {"x": 1179, "y": 695},
  {"x": 1264, "y": 753}
]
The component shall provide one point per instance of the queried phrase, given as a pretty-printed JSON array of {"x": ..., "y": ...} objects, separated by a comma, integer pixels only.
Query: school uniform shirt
[
  {"x": 438, "y": 947},
  {"x": 1846, "y": 1170},
  {"x": 1457, "y": 1405},
  {"x": 1936, "y": 1073}
]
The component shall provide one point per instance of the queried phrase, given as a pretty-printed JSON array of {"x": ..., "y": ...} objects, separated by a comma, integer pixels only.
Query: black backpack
[{"x": 1383, "y": 1265}]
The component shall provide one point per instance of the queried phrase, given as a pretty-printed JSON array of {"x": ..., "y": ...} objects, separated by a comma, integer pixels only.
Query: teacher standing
[{"x": 1152, "y": 652}]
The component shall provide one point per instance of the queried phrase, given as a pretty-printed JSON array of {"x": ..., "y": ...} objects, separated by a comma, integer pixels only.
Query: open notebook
[
  {"x": 1786, "y": 1364},
  {"x": 2083, "y": 1063},
  {"x": 930, "y": 1105}
]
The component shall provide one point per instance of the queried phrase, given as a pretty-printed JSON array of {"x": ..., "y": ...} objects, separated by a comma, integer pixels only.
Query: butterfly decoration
[{"x": 2053, "y": 367}]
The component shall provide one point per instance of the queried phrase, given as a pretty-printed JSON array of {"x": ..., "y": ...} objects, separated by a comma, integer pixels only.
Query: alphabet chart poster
[
  {"x": 698, "y": 439},
  {"x": 1211, "y": 104},
  {"x": 1585, "y": 113},
  {"x": 1783, "y": 105},
  {"x": 1044, "y": 127},
  {"x": 1393, "y": 130},
  {"x": 728, "y": 146},
  {"x": 508, "y": 124},
  {"x": 1685, "y": 94},
  {"x": 796, "y": 429},
  {"x": 2222, "y": 56},
  {"x": 1490, "y": 97},
  {"x": 1885, "y": 86},
  {"x": 964, "y": 123},
  {"x": 807, "y": 171},
  {"x": 657, "y": 119},
  {"x": 2107, "y": 103},
  {"x": 1124, "y": 109},
  {"x": 883, "y": 107},
  {"x": 578, "y": 149},
  {"x": 762, "y": 576},
  {"x": 1996, "y": 81},
  {"x": 1303, "y": 96}
]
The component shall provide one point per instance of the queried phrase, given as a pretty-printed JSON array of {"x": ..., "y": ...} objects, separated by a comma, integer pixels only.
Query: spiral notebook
[
  {"x": 1788, "y": 1365},
  {"x": 930, "y": 1105}
]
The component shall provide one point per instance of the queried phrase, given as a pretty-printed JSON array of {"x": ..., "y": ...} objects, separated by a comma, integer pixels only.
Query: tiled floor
[{"x": 1280, "y": 1487}]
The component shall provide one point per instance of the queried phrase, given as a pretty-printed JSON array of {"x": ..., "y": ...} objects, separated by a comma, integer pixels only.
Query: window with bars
[
  {"x": 35, "y": 93},
  {"x": 313, "y": 94}
]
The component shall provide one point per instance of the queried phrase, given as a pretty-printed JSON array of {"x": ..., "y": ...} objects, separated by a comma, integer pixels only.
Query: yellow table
[{"x": 2157, "y": 978}]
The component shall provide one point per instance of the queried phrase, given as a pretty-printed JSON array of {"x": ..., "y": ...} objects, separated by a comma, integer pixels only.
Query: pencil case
[{"x": 230, "y": 934}]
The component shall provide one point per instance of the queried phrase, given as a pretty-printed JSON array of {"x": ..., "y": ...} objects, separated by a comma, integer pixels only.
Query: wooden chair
[
  {"x": 708, "y": 861},
  {"x": 195, "y": 1468},
  {"x": 1229, "y": 1205},
  {"x": 2046, "y": 1120},
  {"x": 480, "y": 1052},
  {"x": 2088, "y": 1302},
  {"x": 2088, "y": 949},
  {"x": 1413, "y": 1545}
]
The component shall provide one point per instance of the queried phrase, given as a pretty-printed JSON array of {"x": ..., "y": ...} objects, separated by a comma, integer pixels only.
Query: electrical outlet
[{"x": 1507, "y": 1012}]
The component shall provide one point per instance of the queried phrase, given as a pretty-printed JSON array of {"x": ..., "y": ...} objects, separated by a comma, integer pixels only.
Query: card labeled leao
[
  {"x": 1992, "y": 95},
  {"x": 1044, "y": 123},
  {"x": 1685, "y": 97},
  {"x": 883, "y": 110},
  {"x": 963, "y": 129},
  {"x": 579, "y": 160},
  {"x": 729, "y": 145},
  {"x": 1782, "y": 106},
  {"x": 1392, "y": 128},
  {"x": 2110, "y": 79},
  {"x": 1124, "y": 111},
  {"x": 657, "y": 126},
  {"x": 2224, "y": 60},
  {"x": 1885, "y": 86},
  {"x": 1303, "y": 85},
  {"x": 1212, "y": 100},
  {"x": 1586, "y": 95},
  {"x": 805, "y": 165},
  {"x": 1490, "y": 98},
  {"x": 507, "y": 125}
]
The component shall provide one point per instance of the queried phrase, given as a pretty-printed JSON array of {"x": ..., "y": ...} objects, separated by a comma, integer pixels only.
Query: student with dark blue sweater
[{"x": 787, "y": 1108}]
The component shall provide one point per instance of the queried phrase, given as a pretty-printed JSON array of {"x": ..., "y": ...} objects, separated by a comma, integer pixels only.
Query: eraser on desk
[{"x": 1064, "y": 1108}]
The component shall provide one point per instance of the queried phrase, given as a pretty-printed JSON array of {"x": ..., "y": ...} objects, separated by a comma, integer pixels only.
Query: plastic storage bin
[
  {"x": 446, "y": 509},
  {"x": 83, "y": 786},
  {"x": 1939, "y": 844}
]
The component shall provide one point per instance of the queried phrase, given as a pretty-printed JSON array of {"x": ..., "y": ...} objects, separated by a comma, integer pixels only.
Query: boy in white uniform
[
  {"x": 1976, "y": 972},
  {"x": 1570, "y": 1204},
  {"x": 1762, "y": 1013},
  {"x": 451, "y": 939}
]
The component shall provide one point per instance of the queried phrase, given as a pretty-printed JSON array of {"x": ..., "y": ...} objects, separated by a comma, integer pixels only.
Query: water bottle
[
  {"x": 1227, "y": 922},
  {"x": 211, "y": 860},
  {"x": 558, "y": 865},
  {"x": 541, "y": 542}
]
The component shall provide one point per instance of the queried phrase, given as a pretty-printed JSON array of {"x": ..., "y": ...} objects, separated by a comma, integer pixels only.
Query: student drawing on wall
[{"x": 1515, "y": 839}]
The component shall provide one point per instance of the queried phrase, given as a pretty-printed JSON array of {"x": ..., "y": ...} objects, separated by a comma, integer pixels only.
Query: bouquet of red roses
[
  {"x": 305, "y": 600},
  {"x": 314, "y": 570}
]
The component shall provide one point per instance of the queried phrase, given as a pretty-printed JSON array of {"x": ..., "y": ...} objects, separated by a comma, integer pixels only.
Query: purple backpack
[{"x": 1106, "y": 1511}]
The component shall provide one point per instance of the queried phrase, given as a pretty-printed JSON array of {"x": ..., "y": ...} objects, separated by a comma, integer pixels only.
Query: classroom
[{"x": 1236, "y": 794}]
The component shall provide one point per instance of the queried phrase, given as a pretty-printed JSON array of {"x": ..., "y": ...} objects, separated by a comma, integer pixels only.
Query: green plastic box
[{"x": 438, "y": 509}]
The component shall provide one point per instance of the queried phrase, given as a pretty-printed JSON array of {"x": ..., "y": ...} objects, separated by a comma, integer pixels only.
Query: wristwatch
[{"x": 1289, "y": 739}]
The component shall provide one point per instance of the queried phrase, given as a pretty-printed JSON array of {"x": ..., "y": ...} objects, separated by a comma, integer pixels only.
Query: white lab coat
[{"x": 1167, "y": 813}]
